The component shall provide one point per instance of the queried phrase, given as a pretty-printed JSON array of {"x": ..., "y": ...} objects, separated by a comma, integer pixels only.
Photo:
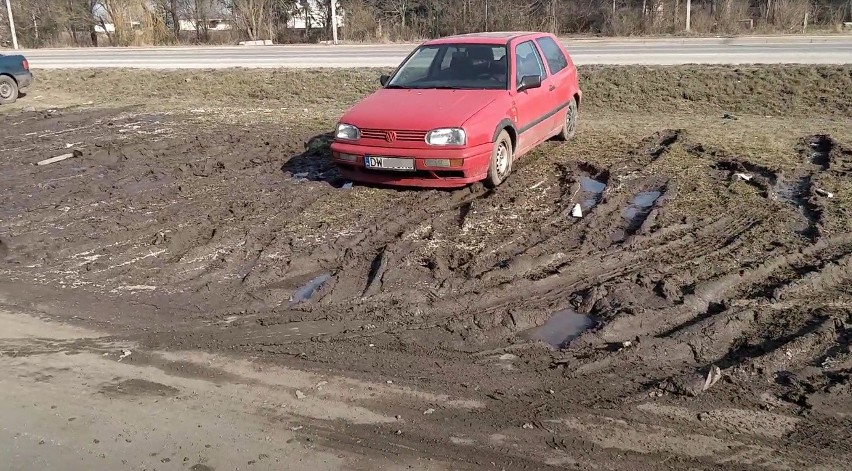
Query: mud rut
[{"x": 199, "y": 237}]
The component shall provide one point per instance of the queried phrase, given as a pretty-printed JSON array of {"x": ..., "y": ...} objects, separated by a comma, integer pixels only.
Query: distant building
[
  {"x": 315, "y": 13},
  {"x": 213, "y": 24},
  {"x": 110, "y": 28}
]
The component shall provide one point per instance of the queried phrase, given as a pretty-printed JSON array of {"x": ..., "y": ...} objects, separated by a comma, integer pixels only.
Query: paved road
[{"x": 810, "y": 50}]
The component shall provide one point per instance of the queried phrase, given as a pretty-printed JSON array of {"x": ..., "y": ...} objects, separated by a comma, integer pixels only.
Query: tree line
[{"x": 43, "y": 23}]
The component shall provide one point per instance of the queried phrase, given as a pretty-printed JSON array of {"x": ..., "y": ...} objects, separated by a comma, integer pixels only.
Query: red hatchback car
[{"x": 459, "y": 110}]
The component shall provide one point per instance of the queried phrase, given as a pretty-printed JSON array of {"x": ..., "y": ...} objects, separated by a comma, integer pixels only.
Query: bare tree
[
  {"x": 46, "y": 22},
  {"x": 119, "y": 12},
  {"x": 201, "y": 19},
  {"x": 252, "y": 16}
]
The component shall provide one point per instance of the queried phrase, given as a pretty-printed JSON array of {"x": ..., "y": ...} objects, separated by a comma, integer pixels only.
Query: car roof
[{"x": 493, "y": 37}]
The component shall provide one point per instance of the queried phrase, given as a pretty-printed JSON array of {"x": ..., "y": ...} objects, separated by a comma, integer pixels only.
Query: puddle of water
[
  {"x": 821, "y": 159},
  {"x": 563, "y": 327},
  {"x": 305, "y": 292},
  {"x": 592, "y": 190},
  {"x": 821, "y": 150},
  {"x": 792, "y": 190},
  {"x": 640, "y": 207},
  {"x": 635, "y": 213}
]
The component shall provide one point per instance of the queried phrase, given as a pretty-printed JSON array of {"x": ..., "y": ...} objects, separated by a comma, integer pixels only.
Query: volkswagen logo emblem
[{"x": 390, "y": 136}]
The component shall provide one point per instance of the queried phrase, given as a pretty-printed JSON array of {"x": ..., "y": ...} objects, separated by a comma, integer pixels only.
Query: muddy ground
[{"x": 711, "y": 267}]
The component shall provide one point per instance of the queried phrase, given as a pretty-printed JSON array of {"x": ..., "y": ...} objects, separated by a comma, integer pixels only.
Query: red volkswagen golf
[{"x": 459, "y": 110}]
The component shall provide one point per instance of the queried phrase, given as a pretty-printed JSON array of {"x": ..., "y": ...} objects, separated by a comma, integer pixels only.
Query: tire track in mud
[
  {"x": 474, "y": 264},
  {"x": 712, "y": 309},
  {"x": 537, "y": 269}
]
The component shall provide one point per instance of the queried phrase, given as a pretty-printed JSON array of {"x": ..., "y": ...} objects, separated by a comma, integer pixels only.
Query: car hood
[{"x": 418, "y": 109}]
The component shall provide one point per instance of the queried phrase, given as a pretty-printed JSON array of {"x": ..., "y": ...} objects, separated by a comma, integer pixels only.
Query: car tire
[
  {"x": 501, "y": 160},
  {"x": 569, "y": 124},
  {"x": 8, "y": 90}
]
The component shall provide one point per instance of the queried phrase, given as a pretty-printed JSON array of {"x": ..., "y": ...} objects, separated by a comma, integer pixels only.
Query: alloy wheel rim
[
  {"x": 570, "y": 118},
  {"x": 5, "y": 90}
]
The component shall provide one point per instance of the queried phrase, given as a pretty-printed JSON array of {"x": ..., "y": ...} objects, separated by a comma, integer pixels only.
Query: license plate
[{"x": 388, "y": 163}]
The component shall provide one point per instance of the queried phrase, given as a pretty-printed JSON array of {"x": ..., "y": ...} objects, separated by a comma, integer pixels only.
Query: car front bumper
[{"x": 475, "y": 166}]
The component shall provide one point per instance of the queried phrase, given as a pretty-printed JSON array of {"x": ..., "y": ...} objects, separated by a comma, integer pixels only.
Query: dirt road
[
  {"x": 697, "y": 315},
  {"x": 75, "y": 399}
]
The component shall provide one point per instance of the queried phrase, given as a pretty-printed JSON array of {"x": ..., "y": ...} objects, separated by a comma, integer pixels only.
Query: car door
[
  {"x": 561, "y": 77},
  {"x": 531, "y": 105}
]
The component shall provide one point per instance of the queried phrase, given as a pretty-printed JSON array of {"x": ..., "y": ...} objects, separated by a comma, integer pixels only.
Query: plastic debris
[
  {"x": 692, "y": 384},
  {"x": 429, "y": 411},
  {"x": 712, "y": 376},
  {"x": 59, "y": 158},
  {"x": 825, "y": 193},
  {"x": 300, "y": 394},
  {"x": 744, "y": 176},
  {"x": 124, "y": 354},
  {"x": 347, "y": 186},
  {"x": 577, "y": 212}
]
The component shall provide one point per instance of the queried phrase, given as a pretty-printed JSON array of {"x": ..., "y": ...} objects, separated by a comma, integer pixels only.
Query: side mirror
[
  {"x": 529, "y": 81},
  {"x": 384, "y": 79}
]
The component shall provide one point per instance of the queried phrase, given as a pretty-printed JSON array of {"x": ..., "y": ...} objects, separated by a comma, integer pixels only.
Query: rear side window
[{"x": 552, "y": 54}]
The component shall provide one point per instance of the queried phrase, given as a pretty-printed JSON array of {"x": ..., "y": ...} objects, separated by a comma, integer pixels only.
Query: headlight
[
  {"x": 446, "y": 137},
  {"x": 347, "y": 132}
]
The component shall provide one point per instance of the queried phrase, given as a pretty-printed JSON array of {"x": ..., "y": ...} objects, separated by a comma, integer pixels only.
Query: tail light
[{"x": 26, "y": 64}]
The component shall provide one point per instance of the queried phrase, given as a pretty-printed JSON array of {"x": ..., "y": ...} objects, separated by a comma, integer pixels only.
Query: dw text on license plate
[{"x": 388, "y": 163}]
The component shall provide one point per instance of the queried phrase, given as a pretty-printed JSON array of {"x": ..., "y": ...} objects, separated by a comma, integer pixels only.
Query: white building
[
  {"x": 316, "y": 13},
  {"x": 213, "y": 24}
]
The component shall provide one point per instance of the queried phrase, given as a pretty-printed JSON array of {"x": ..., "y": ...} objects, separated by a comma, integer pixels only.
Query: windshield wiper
[{"x": 395, "y": 86}]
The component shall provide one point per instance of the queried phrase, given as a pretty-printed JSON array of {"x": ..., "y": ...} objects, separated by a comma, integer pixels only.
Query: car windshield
[{"x": 454, "y": 66}]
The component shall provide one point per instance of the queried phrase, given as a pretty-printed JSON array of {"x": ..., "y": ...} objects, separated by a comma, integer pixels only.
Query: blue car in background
[{"x": 15, "y": 76}]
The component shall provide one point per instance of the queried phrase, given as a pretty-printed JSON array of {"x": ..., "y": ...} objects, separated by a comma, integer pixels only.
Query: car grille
[{"x": 381, "y": 134}]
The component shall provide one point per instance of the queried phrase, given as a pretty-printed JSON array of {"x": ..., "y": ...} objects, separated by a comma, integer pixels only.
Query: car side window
[
  {"x": 553, "y": 54},
  {"x": 528, "y": 61}
]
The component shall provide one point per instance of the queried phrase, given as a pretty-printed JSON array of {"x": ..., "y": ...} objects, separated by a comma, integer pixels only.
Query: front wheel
[
  {"x": 569, "y": 125},
  {"x": 8, "y": 90},
  {"x": 501, "y": 160}
]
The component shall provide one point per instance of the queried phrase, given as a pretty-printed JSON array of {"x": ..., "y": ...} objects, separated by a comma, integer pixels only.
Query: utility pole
[
  {"x": 486, "y": 15},
  {"x": 12, "y": 24},
  {"x": 334, "y": 21},
  {"x": 688, "y": 13}
]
